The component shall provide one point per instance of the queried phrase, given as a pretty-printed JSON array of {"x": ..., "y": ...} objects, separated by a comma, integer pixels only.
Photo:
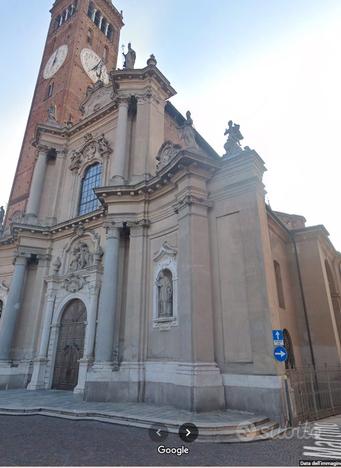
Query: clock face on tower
[
  {"x": 55, "y": 61},
  {"x": 94, "y": 66}
]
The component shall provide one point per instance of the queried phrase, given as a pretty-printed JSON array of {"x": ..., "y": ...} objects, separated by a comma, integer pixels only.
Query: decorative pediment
[
  {"x": 166, "y": 250},
  {"x": 92, "y": 149},
  {"x": 166, "y": 153},
  {"x": 98, "y": 96}
]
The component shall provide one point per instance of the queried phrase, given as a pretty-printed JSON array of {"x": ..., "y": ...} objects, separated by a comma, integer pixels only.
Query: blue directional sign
[
  {"x": 277, "y": 337},
  {"x": 280, "y": 353}
]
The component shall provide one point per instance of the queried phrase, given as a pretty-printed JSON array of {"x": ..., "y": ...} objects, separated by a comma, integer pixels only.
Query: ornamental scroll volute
[{"x": 93, "y": 149}]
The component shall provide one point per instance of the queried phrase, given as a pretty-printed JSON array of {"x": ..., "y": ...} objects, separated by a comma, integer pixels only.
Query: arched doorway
[{"x": 70, "y": 346}]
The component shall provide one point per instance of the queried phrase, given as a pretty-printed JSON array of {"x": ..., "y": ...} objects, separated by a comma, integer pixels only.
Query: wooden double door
[{"x": 70, "y": 347}]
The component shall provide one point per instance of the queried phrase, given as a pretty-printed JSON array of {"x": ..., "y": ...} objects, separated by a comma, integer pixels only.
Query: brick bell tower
[{"x": 81, "y": 46}]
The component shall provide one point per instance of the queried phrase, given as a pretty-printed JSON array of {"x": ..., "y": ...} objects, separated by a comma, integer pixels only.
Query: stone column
[
  {"x": 12, "y": 308},
  {"x": 91, "y": 323},
  {"x": 142, "y": 137},
  {"x": 118, "y": 165},
  {"x": 108, "y": 299},
  {"x": 37, "y": 380},
  {"x": 32, "y": 208},
  {"x": 133, "y": 352},
  {"x": 88, "y": 341}
]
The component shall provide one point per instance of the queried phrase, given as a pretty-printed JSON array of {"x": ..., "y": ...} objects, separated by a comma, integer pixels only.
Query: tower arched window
[
  {"x": 97, "y": 19},
  {"x": 91, "y": 10},
  {"x": 110, "y": 32},
  {"x": 1, "y": 307},
  {"x": 104, "y": 25},
  {"x": 90, "y": 36},
  {"x": 92, "y": 178},
  {"x": 50, "y": 89}
]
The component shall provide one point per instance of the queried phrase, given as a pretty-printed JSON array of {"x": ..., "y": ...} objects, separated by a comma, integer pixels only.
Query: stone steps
[{"x": 255, "y": 428}]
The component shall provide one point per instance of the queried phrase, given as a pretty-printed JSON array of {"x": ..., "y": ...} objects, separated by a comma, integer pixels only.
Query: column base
[
  {"x": 82, "y": 373},
  {"x": 38, "y": 375}
]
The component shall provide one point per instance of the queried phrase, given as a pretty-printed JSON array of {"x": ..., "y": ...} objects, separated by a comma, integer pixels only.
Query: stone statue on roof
[
  {"x": 187, "y": 132},
  {"x": 129, "y": 58},
  {"x": 232, "y": 145}
]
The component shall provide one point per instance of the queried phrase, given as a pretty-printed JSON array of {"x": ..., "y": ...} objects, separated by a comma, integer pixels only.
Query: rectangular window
[{"x": 279, "y": 285}]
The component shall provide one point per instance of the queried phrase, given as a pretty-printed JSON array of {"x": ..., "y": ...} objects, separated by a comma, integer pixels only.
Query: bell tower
[{"x": 81, "y": 47}]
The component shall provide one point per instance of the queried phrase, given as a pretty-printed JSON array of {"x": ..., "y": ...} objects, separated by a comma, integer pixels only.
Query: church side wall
[{"x": 291, "y": 313}]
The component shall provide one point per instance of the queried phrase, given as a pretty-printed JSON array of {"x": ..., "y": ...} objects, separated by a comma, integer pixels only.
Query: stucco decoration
[
  {"x": 165, "y": 290},
  {"x": 98, "y": 96},
  {"x": 166, "y": 153},
  {"x": 3, "y": 294},
  {"x": 83, "y": 252},
  {"x": 94, "y": 149},
  {"x": 74, "y": 283},
  {"x": 81, "y": 257}
]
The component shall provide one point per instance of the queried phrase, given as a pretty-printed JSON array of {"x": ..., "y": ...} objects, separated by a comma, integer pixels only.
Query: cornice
[
  {"x": 184, "y": 161},
  {"x": 150, "y": 71}
]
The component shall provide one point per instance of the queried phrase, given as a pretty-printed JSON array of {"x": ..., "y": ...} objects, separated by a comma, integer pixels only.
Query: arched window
[
  {"x": 90, "y": 36},
  {"x": 97, "y": 18},
  {"x": 290, "y": 362},
  {"x": 50, "y": 89},
  {"x": 279, "y": 285},
  {"x": 1, "y": 307},
  {"x": 91, "y": 10},
  {"x": 110, "y": 32},
  {"x": 104, "y": 25},
  {"x": 92, "y": 179},
  {"x": 57, "y": 22}
]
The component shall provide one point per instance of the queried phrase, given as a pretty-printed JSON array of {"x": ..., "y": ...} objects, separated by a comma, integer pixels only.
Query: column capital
[
  {"x": 21, "y": 258},
  {"x": 42, "y": 149},
  {"x": 112, "y": 229},
  {"x": 123, "y": 101},
  {"x": 138, "y": 228}
]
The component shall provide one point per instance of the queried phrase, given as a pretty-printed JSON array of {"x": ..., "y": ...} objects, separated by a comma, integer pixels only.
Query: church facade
[{"x": 137, "y": 264}]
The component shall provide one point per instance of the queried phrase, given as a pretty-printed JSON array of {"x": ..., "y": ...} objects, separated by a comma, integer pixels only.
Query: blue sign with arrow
[
  {"x": 277, "y": 337},
  {"x": 280, "y": 353}
]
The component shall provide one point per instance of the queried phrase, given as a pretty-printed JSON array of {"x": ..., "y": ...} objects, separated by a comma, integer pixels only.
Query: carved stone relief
[
  {"x": 166, "y": 153},
  {"x": 92, "y": 149}
]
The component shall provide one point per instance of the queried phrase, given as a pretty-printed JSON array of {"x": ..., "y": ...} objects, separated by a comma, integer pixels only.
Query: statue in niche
[
  {"x": 51, "y": 113},
  {"x": 165, "y": 294},
  {"x": 187, "y": 132},
  {"x": 232, "y": 145},
  {"x": 129, "y": 58}
]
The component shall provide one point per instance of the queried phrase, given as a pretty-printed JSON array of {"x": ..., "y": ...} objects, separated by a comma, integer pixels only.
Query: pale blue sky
[{"x": 271, "y": 65}]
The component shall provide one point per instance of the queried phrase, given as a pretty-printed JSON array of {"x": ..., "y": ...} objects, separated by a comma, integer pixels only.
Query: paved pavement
[
  {"x": 41, "y": 440},
  {"x": 218, "y": 425}
]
